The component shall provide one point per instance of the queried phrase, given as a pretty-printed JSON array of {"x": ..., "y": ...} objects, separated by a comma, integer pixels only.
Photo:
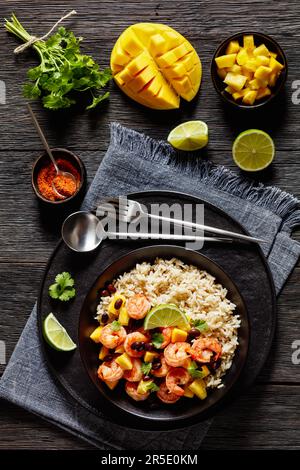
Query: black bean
[
  {"x": 149, "y": 347},
  {"x": 118, "y": 304},
  {"x": 146, "y": 377},
  {"x": 108, "y": 358},
  {"x": 104, "y": 293},
  {"x": 141, "y": 346},
  {"x": 111, "y": 288},
  {"x": 194, "y": 332},
  {"x": 104, "y": 318},
  {"x": 156, "y": 365},
  {"x": 156, "y": 359},
  {"x": 135, "y": 345}
]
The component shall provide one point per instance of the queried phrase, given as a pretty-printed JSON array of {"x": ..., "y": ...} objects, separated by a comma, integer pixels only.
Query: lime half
[
  {"x": 191, "y": 135},
  {"x": 165, "y": 315},
  {"x": 56, "y": 335},
  {"x": 253, "y": 150}
]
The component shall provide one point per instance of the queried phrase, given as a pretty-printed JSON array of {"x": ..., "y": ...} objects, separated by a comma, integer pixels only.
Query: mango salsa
[
  {"x": 156, "y": 66},
  {"x": 249, "y": 70}
]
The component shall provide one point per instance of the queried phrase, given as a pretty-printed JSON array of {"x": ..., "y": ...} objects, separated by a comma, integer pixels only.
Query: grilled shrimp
[
  {"x": 166, "y": 396},
  {"x": 138, "y": 306},
  {"x": 111, "y": 338},
  {"x": 135, "y": 374},
  {"x": 131, "y": 390},
  {"x": 177, "y": 354},
  {"x": 110, "y": 371},
  {"x": 163, "y": 370},
  {"x": 134, "y": 344},
  {"x": 167, "y": 334},
  {"x": 177, "y": 376},
  {"x": 206, "y": 350}
]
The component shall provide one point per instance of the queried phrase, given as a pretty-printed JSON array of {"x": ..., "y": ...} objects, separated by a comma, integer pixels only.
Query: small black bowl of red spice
[{"x": 43, "y": 173}]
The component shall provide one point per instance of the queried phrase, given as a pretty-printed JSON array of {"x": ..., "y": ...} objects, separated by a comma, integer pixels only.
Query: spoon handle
[{"x": 42, "y": 137}]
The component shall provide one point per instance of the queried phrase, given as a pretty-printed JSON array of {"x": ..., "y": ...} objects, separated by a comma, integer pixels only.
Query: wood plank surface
[{"x": 267, "y": 416}]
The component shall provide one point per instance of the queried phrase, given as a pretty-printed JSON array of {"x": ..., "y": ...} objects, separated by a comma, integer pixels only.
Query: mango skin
[{"x": 155, "y": 65}]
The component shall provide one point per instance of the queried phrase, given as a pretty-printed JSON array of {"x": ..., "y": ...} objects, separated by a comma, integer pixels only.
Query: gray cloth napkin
[{"x": 136, "y": 162}]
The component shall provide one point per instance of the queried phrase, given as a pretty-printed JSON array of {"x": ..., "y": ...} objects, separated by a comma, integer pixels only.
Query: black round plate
[
  {"x": 185, "y": 411},
  {"x": 243, "y": 263}
]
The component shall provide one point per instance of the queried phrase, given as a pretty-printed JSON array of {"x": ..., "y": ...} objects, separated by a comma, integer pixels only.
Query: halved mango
[{"x": 155, "y": 65}]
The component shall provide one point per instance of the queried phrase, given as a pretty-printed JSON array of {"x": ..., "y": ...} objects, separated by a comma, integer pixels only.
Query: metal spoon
[
  {"x": 64, "y": 174},
  {"x": 82, "y": 232}
]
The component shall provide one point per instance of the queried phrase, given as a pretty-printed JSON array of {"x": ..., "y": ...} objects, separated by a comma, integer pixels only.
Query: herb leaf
[
  {"x": 157, "y": 340},
  {"x": 146, "y": 368},
  {"x": 63, "y": 287},
  {"x": 194, "y": 371},
  {"x": 63, "y": 69},
  {"x": 201, "y": 325},
  {"x": 153, "y": 387},
  {"x": 115, "y": 325}
]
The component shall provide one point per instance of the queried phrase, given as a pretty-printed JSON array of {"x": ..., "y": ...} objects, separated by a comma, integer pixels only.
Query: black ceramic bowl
[
  {"x": 155, "y": 414},
  {"x": 259, "y": 38},
  {"x": 72, "y": 158}
]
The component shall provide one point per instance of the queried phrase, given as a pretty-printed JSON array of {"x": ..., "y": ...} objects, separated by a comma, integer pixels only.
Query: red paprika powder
[{"x": 64, "y": 186}]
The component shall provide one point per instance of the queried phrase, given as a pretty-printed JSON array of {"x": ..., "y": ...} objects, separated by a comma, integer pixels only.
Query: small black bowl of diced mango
[{"x": 249, "y": 69}]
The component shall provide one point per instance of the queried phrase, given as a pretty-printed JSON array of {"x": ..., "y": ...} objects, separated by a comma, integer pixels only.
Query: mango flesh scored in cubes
[{"x": 155, "y": 65}]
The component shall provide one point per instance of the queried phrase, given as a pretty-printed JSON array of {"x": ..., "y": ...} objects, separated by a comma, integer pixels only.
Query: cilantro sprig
[
  {"x": 146, "y": 367},
  {"x": 194, "y": 372},
  {"x": 157, "y": 340},
  {"x": 63, "y": 287},
  {"x": 201, "y": 325},
  {"x": 115, "y": 325},
  {"x": 63, "y": 69}
]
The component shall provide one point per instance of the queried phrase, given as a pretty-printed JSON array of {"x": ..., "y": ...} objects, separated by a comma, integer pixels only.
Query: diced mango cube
[
  {"x": 103, "y": 353},
  {"x": 124, "y": 361},
  {"x": 222, "y": 73},
  {"x": 178, "y": 335},
  {"x": 149, "y": 356},
  {"x": 111, "y": 307},
  {"x": 198, "y": 388},
  {"x": 235, "y": 69},
  {"x": 237, "y": 95},
  {"x": 262, "y": 93},
  {"x": 225, "y": 60},
  {"x": 263, "y": 72},
  {"x": 249, "y": 75},
  {"x": 272, "y": 79},
  {"x": 262, "y": 60},
  {"x": 233, "y": 47},
  {"x": 188, "y": 393},
  {"x": 111, "y": 383},
  {"x": 235, "y": 80},
  {"x": 273, "y": 54},
  {"x": 120, "y": 349},
  {"x": 95, "y": 335},
  {"x": 123, "y": 316},
  {"x": 275, "y": 65},
  {"x": 248, "y": 42},
  {"x": 205, "y": 371},
  {"x": 254, "y": 84},
  {"x": 250, "y": 65},
  {"x": 261, "y": 50},
  {"x": 249, "y": 97},
  {"x": 242, "y": 57}
]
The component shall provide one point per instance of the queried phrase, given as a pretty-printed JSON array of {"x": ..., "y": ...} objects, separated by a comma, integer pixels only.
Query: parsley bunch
[{"x": 63, "y": 69}]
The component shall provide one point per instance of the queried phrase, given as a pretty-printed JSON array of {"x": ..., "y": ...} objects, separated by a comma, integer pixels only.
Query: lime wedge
[
  {"x": 165, "y": 315},
  {"x": 191, "y": 135},
  {"x": 253, "y": 150},
  {"x": 56, "y": 335}
]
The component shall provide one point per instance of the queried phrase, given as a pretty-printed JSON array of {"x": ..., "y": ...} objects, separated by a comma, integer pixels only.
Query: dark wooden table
[{"x": 268, "y": 416}]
